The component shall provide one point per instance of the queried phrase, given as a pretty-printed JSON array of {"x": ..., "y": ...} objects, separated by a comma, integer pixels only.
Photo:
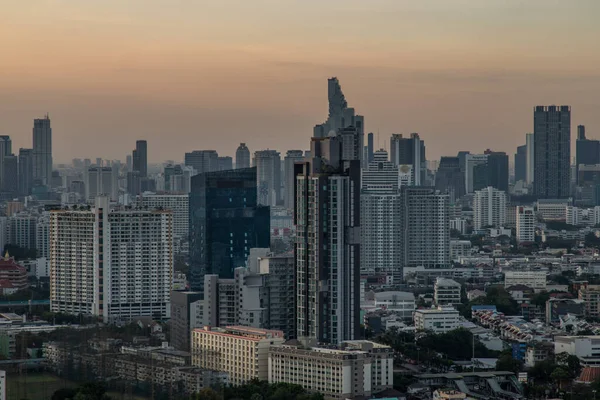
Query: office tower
[
  {"x": 530, "y": 144},
  {"x": 99, "y": 162},
  {"x": 202, "y": 160},
  {"x": 489, "y": 208},
  {"x": 5, "y": 150},
  {"x": 182, "y": 316},
  {"x": 268, "y": 175},
  {"x": 521, "y": 164},
  {"x": 121, "y": 266},
  {"x": 327, "y": 218},
  {"x": 410, "y": 151},
  {"x": 450, "y": 178},
  {"x": 10, "y": 175},
  {"x": 370, "y": 148},
  {"x": 493, "y": 172},
  {"x": 471, "y": 162},
  {"x": 341, "y": 116},
  {"x": 552, "y": 137},
  {"x": 179, "y": 205},
  {"x": 291, "y": 157},
  {"x": 587, "y": 150},
  {"x": 380, "y": 219},
  {"x": 140, "y": 158},
  {"x": 25, "y": 171},
  {"x": 242, "y": 157},
  {"x": 42, "y": 236},
  {"x": 525, "y": 224},
  {"x": 42, "y": 150},
  {"x": 425, "y": 228},
  {"x": 101, "y": 181},
  {"x": 129, "y": 162},
  {"x": 225, "y": 223},
  {"x": 225, "y": 163},
  {"x": 134, "y": 183},
  {"x": 170, "y": 171}
]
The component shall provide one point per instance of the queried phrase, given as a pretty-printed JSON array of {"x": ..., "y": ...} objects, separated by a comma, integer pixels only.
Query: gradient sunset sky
[{"x": 194, "y": 74}]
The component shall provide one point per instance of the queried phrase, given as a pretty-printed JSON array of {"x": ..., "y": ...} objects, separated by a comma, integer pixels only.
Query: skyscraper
[
  {"x": 291, "y": 157},
  {"x": 202, "y": 160},
  {"x": 521, "y": 163},
  {"x": 140, "y": 158},
  {"x": 42, "y": 150},
  {"x": 101, "y": 181},
  {"x": 268, "y": 175},
  {"x": 242, "y": 157},
  {"x": 493, "y": 172},
  {"x": 410, "y": 151},
  {"x": 552, "y": 136},
  {"x": 587, "y": 151},
  {"x": 530, "y": 144},
  {"x": 489, "y": 208},
  {"x": 370, "y": 148},
  {"x": 10, "y": 175},
  {"x": 25, "y": 171},
  {"x": 450, "y": 178},
  {"x": 225, "y": 163},
  {"x": 225, "y": 223},
  {"x": 425, "y": 228},
  {"x": 5, "y": 150}
]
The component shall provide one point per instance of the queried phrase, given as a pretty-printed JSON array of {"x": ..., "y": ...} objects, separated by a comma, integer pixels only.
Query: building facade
[
  {"x": 242, "y": 157},
  {"x": 268, "y": 177},
  {"x": 489, "y": 208}
]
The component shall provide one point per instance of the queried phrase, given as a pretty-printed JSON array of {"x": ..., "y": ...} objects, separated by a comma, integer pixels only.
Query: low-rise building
[
  {"x": 437, "y": 320},
  {"x": 446, "y": 292},
  {"x": 556, "y": 307},
  {"x": 591, "y": 296},
  {"x": 402, "y": 303},
  {"x": 533, "y": 279},
  {"x": 354, "y": 369},
  {"x": 241, "y": 351},
  {"x": 586, "y": 348}
]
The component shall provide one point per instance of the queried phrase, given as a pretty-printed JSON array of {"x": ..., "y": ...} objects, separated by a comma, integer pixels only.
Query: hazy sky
[{"x": 199, "y": 74}]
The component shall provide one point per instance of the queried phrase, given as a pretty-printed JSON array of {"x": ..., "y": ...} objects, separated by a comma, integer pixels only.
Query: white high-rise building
[
  {"x": 42, "y": 150},
  {"x": 42, "y": 236},
  {"x": 472, "y": 160},
  {"x": 179, "y": 205},
  {"x": 489, "y": 208},
  {"x": 101, "y": 181},
  {"x": 291, "y": 157},
  {"x": 529, "y": 162},
  {"x": 115, "y": 264},
  {"x": 268, "y": 177},
  {"x": 380, "y": 175},
  {"x": 525, "y": 224}
]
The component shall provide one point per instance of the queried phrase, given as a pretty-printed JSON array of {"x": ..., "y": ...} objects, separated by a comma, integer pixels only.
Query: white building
[
  {"x": 489, "y": 208},
  {"x": 354, "y": 369},
  {"x": 179, "y": 205},
  {"x": 402, "y": 303},
  {"x": 525, "y": 224},
  {"x": 446, "y": 292},
  {"x": 437, "y": 320},
  {"x": 533, "y": 279},
  {"x": 586, "y": 348},
  {"x": 553, "y": 209},
  {"x": 573, "y": 215},
  {"x": 42, "y": 236},
  {"x": 459, "y": 224},
  {"x": 116, "y": 264}
]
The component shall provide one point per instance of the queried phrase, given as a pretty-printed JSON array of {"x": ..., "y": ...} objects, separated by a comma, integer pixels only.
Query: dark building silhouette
[
  {"x": 10, "y": 175},
  {"x": 587, "y": 152},
  {"x": 370, "y": 148},
  {"x": 450, "y": 178},
  {"x": 552, "y": 159},
  {"x": 497, "y": 165},
  {"x": 180, "y": 327},
  {"x": 410, "y": 151},
  {"x": 25, "y": 171},
  {"x": 171, "y": 170},
  {"x": 225, "y": 223},
  {"x": 521, "y": 163},
  {"x": 140, "y": 158}
]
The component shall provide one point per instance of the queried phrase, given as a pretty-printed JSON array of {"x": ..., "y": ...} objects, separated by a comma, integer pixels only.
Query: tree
[
  {"x": 208, "y": 394},
  {"x": 559, "y": 375},
  {"x": 64, "y": 394},
  {"x": 506, "y": 362}
]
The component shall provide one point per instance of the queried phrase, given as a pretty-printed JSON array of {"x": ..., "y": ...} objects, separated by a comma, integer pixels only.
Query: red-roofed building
[{"x": 13, "y": 277}]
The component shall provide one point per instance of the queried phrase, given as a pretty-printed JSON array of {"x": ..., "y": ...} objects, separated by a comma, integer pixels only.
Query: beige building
[
  {"x": 241, "y": 351},
  {"x": 591, "y": 296},
  {"x": 353, "y": 369},
  {"x": 437, "y": 320}
]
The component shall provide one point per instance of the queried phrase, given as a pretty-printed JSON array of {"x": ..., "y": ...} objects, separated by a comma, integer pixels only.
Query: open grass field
[{"x": 41, "y": 386}]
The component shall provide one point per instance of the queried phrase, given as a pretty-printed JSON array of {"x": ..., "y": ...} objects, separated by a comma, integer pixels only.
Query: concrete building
[
  {"x": 489, "y": 208},
  {"x": 446, "y": 292},
  {"x": 410, "y": 152},
  {"x": 179, "y": 205},
  {"x": 268, "y": 177},
  {"x": 182, "y": 318},
  {"x": 525, "y": 224},
  {"x": 42, "y": 150},
  {"x": 437, "y": 320},
  {"x": 521, "y": 163},
  {"x": 140, "y": 158},
  {"x": 291, "y": 157},
  {"x": 530, "y": 162},
  {"x": 471, "y": 161},
  {"x": 101, "y": 181},
  {"x": 202, "y": 160},
  {"x": 586, "y": 348},
  {"x": 552, "y": 144},
  {"x": 355, "y": 369},
  {"x": 533, "y": 279},
  {"x": 459, "y": 248},
  {"x": 553, "y": 209},
  {"x": 450, "y": 178},
  {"x": 25, "y": 171},
  {"x": 242, "y": 157},
  {"x": 225, "y": 163},
  {"x": 557, "y": 308},
  {"x": 591, "y": 297},
  {"x": 116, "y": 247},
  {"x": 401, "y": 303},
  {"x": 241, "y": 351}
]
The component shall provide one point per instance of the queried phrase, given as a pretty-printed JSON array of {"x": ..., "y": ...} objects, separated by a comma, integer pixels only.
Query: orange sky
[{"x": 192, "y": 74}]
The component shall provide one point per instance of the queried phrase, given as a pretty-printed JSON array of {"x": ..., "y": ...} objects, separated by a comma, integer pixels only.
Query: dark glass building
[
  {"x": 587, "y": 151},
  {"x": 521, "y": 163},
  {"x": 497, "y": 166},
  {"x": 225, "y": 223},
  {"x": 450, "y": 178}
]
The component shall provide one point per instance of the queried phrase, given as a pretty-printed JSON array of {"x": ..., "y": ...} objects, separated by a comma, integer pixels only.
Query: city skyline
[{"x": 107, "y": 76}]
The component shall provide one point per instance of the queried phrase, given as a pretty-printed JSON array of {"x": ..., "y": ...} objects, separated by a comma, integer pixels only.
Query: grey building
[
  {"x": 450, "y": 178},
  {"x": 552, "y": 143},
  {"x": 242, "y": 157},
  {"x": 521, "y": 163},
  {"x": 370, "y": 148},
  {"x": 25, "y": 171},
  {"x": 5, "y": 150},
  {"x": 225, "y": 163},
  {"x": 10, "y": 175},
  {"x": 268, "y": 177},
  {"x": 42, "y": 150},
  {"x": 202, "y": 160},
  {"x": 587, "y": 151},
  {"x": 140, "y": 158},
  {"x": 181, "y": 318},
  {"x": 410, "y": 151},
  {"x": 291, "y": 157}
]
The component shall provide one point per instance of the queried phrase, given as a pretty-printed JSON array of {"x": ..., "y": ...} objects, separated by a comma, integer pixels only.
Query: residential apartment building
[
  {"x": 353, "y": 369},
  {"x": 179, "y": 205},
  {"x": 586, "y": 348},
  {"x": 240, "y": 351},
  {"x": 533, "y": 279},
  {"x": 591, "y": 297},
  {"x": 437, "y": 320},
  {"x": 489, "y": 208},
  {"x": 446, "y": 292},
  {"x": 525, "y": 224}
]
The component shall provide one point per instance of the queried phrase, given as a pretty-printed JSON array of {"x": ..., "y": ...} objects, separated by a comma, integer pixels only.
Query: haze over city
[{"x": 183, "y": 75}]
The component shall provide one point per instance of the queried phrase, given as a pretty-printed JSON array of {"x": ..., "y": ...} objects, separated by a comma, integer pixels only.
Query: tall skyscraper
[
  {"x": 450, "y": 178},
  {"x": 493, "y": 172},
  {"x": 552, "y": 136},
  {"x": 42, "y": 150},
  {"x": 25, "y": 171},
  {"x": 521, "y": 164},
  {"x": 101, "y": 181},
  {"x": 291, "y": 157},
  {"x": 530, "y": 144},
  {"x": 225, "y": 223},
  {"x": 380, "y": 211},
  {"x": 242, "y": 157},
  {"x": 5, "y": 150},
  {"x": 10, "y": 175},
  {"x": 587, "y": 151},
  {"x": 340, "y": 116},
  {"x": 471, "y": 162},
  {"x": 370, "y": 148},
  {"x": 170, "y": 171},
  {"x": 489, "y": 208},
  {"x": 268, "y": 175},
  {"x": 202, "y": 160},
  {"x": 225, "y": 163},
  {"x": 140, "y": 158},
  {"x": 121, "y": 266},
  {"x": 425, "y": 228},
  {"x": 410, "y": 151}
]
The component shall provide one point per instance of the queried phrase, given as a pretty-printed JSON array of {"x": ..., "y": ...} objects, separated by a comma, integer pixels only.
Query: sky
[{"x": 197, "y": 74}]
